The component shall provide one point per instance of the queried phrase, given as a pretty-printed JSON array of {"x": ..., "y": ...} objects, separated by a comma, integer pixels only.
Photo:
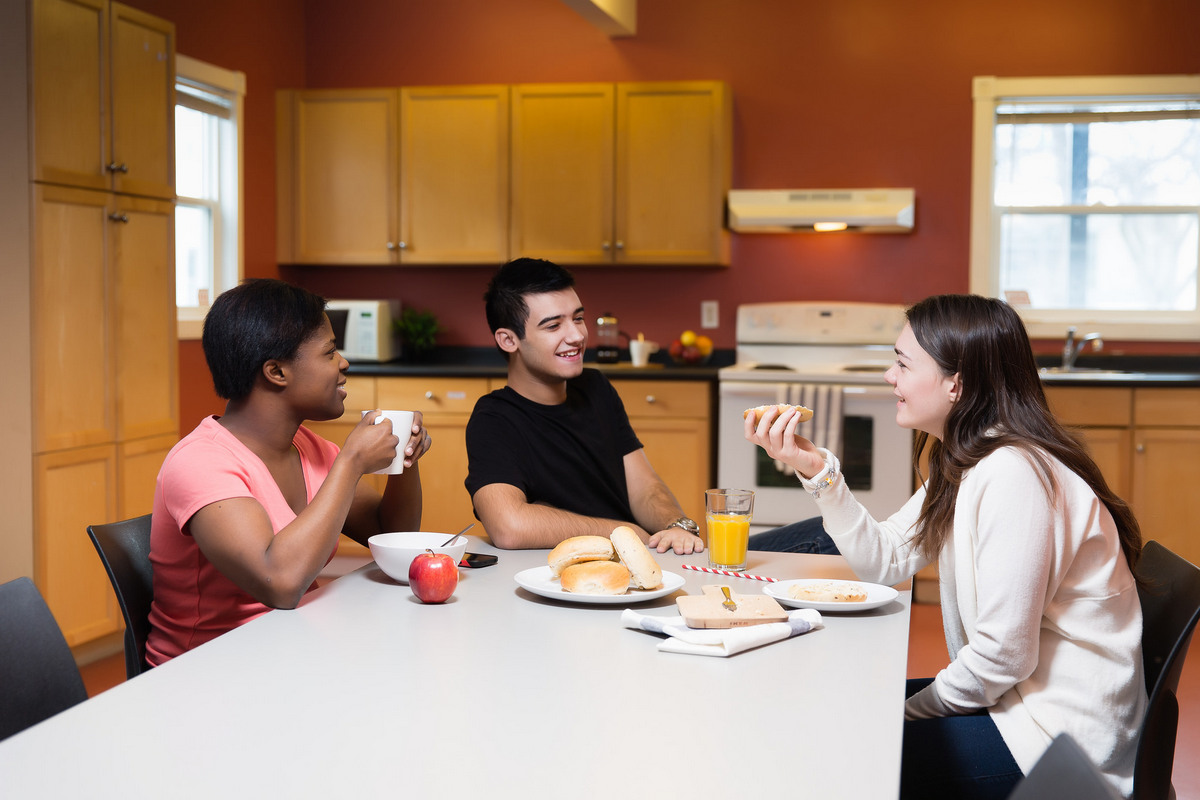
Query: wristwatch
[{"x": 686, "y": 524}]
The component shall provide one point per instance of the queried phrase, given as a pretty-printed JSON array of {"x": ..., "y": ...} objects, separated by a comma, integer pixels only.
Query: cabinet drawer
[
  {"x": 1104, "y": 406},
  {"x": 1173, "y": 407},
  {"x": 430, "y": 395},
  {"x": 664, "y": 398}
]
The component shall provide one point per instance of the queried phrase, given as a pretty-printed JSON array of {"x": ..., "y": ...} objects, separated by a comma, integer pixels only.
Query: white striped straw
[{"x": 731, "y": 573}]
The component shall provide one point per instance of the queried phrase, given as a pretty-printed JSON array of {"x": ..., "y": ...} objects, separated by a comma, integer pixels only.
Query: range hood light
[{"x": 808, "y": 210}]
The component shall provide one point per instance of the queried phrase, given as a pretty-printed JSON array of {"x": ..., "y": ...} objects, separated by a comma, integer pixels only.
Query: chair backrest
[
  {"x": 38, "y": 676},
  {"x": 1064, "y": 772},
  {"x": 1169, "y": 591},
  {"x": 124, "y": 549}
]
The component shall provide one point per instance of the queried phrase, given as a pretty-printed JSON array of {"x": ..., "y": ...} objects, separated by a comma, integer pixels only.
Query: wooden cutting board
[{"x": 706, "y": 611}]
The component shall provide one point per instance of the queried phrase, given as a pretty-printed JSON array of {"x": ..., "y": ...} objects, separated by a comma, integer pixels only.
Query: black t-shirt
[{"x": 569, "y": 456}]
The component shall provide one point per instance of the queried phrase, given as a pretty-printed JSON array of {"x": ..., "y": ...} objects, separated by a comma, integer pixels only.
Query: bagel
[
  {"x": 758, "y": 411},
  {"x": 644, "y": 571},
  {"x": 578, "y": 549},
  {"x": 595, "y": 577}
]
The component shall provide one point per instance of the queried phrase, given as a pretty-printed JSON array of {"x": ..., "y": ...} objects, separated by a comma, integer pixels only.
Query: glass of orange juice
[{"x": 728, "y": 513}]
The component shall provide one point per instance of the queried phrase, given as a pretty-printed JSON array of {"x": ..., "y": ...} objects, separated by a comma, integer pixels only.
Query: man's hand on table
[{"x": 677, "y": 539}]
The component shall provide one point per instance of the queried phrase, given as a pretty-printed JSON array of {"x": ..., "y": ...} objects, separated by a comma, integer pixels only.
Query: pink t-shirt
[{"x": 193, "y": 601}]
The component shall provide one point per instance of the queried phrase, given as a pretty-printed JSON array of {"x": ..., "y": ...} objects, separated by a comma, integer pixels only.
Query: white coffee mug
[
  {"x": 402, "y": 422},
  {"x": 640, "y": 351}
]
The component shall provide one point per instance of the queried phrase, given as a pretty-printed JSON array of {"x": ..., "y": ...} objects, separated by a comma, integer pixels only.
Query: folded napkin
[{"x": 720, "y": 642}]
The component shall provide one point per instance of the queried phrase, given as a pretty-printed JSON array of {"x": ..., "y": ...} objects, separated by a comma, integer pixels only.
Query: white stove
[{"x": 830, "y": 357}]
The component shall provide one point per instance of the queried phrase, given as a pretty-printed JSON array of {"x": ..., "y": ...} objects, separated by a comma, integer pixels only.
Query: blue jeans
[
  {"x": 805, "y": 536},
  {"x": 955, "y": 757}
]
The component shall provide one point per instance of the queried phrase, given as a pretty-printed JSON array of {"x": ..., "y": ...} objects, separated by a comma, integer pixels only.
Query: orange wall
[{"x": 854, "y": 93}]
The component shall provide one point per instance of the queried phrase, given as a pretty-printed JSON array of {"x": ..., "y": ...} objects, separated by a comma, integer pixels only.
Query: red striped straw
[{"x": 731, "y": 573}]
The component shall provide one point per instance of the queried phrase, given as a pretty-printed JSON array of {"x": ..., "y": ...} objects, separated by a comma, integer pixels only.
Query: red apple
[{"x": 433, "y": 577}]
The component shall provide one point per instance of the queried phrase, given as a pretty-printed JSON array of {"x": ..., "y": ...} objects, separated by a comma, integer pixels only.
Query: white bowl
[{"x": 393, "y": 552}]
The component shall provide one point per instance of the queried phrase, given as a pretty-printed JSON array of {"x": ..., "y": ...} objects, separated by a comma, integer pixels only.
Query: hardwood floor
[{"x": 926, "y": 655}]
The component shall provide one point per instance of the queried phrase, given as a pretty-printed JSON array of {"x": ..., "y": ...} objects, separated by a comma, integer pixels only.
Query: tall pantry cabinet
[{"x": 102, "y": 288}]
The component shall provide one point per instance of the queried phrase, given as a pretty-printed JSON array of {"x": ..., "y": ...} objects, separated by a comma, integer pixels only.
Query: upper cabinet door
[
  {"x": 673, "y": 172},
  {"x": 103, "y": 84},
  {"x": 562, "y": 172},
  {"x": 69, "y": 92},
  {"x": 338, "y": 176},
  {"x": 454, "y": 174},
  {"x": 142, "y": 75}
]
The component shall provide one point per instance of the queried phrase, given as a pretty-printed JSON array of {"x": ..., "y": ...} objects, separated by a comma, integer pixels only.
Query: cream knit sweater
[{"x": 1040, "y": 609}]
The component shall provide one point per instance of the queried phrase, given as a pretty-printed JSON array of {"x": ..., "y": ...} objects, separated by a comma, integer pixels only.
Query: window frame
[
  {"x": 228, "y": 256},
  {"x": 989, "y": 92}
]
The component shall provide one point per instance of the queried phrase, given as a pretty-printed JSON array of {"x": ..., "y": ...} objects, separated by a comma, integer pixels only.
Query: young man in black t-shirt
[{"x": 552, "y": 455}]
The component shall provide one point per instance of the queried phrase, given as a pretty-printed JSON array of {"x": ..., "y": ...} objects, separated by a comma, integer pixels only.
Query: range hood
[{"x": 809, "y": 210}]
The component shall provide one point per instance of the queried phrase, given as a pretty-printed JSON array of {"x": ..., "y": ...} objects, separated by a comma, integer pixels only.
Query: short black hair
[
  {"x": 257, "y": 321},
  {"x": 504, "y": 299}
]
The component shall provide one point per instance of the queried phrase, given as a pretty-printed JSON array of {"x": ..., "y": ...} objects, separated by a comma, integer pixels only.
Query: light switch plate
[{"x": 710, "y": 314}]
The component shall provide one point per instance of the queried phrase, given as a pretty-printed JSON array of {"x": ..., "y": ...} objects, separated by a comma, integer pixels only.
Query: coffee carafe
[{"x": 608, "y": 339}]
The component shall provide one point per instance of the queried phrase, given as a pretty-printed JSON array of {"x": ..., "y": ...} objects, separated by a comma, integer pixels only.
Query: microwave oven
[{"x": 365, "y": 329}]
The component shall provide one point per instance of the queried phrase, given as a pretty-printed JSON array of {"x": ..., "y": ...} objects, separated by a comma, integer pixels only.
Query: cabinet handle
[
  {"x": 116, "y": 167},
  {"x": 605, "y": 246},
  {"x": 620, "y": 245},
  {"x": 429, "y": 395},
  {"x": 391, "y": 245},
  {"x": 651, "y": 399},
  {"x": 1141, "y": 447},
  {"x": 119, "y": 217},
  {"x": 402, "y": 246}
]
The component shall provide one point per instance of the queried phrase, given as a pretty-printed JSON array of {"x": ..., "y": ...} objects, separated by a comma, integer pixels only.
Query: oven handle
[{"x": 758, "y": 390}]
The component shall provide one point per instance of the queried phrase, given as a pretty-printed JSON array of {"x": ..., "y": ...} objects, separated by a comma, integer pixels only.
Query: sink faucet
[{"x": 1072, "y": 348}]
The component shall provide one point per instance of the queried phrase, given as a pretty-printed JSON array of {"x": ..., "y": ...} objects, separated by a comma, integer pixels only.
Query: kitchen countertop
[
  {"x": 1092, "y": 370},
  {"x": 486, "y": 362}
]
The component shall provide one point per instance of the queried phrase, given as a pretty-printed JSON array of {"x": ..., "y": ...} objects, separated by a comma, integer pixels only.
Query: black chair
[
  {"x": 1170, "y": 598},
  {"x": 124, "y": 548},
  {"x": 38, "y": 676},
  {"x": 1064, "y": 772}
]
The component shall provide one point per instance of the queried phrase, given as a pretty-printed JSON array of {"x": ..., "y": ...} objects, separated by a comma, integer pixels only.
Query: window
[
  {"x": 1086, "y": 203},
  {"x": 208, "y": 167}
]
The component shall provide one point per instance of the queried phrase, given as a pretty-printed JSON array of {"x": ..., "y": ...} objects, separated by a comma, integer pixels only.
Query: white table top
[{"x": 365, "y": 692}]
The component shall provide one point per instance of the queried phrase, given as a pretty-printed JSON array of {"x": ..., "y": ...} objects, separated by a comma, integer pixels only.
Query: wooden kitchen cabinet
[
  {"x": 1103, "y": 415},
  {"x": 393, "y": 176},
  {"x": 631, "y": 173},
  {"x": 1166, "y": 467},
  {"x": 446, "y": 405},
  {"x": 103, "y": 94},
  {"x": 338, "y": 172},
  {"x": 104, "y": 325},
  {"x": 1147, "y": 443},
  {"x": 673, "y": 420},
  {"x": 73, "y": 489}
]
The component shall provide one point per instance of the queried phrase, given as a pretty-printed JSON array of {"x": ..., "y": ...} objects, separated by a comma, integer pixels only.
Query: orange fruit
[{"x": 704, "y": 345}]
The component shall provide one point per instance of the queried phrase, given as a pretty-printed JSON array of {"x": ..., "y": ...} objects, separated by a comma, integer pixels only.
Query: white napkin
[{"x": 721, "y": 642}]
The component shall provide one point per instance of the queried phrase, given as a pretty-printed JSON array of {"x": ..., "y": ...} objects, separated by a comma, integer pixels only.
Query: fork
[{"x": 728, "y": 601}]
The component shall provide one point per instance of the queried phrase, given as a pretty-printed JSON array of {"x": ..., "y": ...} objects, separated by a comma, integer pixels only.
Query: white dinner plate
[
  {"x": 876, "y": 595},
  {"x": 539, "y": 581}
]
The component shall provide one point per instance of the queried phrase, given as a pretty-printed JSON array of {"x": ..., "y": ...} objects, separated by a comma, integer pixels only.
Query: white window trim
[
  {"x": 988, "y": 92},
  {"x": 190, "y": 321}
]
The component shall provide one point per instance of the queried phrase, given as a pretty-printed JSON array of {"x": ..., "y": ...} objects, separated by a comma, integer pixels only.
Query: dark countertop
[{"x": 486, "y": 362}]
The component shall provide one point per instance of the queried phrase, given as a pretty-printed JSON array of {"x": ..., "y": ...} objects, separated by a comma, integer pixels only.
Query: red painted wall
[{"x": 851, "y": 94}]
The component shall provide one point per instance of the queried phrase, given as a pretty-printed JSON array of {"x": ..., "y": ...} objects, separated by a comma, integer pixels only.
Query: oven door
[{"x": 876, "y": 454}]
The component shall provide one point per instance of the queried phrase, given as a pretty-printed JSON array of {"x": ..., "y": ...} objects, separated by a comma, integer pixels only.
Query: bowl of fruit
[{"x": 691, "y": 350}]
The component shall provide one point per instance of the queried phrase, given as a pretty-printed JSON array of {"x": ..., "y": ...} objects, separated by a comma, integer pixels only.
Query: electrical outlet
[{"x": 710, "y": 314}]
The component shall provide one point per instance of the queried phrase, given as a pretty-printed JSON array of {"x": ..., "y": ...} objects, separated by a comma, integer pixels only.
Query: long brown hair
[{"x": 1001, "y": 404}]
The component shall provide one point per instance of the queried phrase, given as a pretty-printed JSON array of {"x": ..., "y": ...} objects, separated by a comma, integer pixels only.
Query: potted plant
[{"x": 418, "y": 332}]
